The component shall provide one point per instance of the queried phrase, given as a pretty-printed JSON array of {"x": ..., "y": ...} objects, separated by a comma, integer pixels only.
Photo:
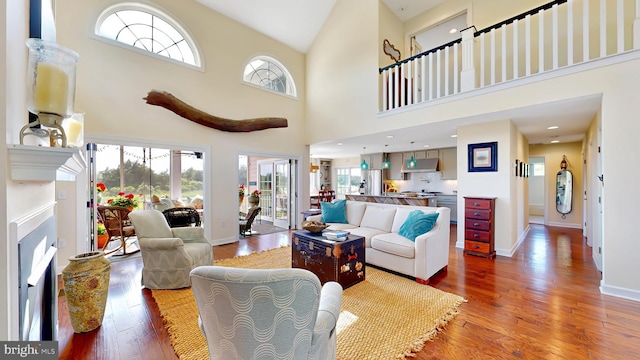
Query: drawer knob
[
  {"x": 476, "y": 247},
  {"x": 476, "y": 235},
  {"x": 476, "y": 213},
  {"x": 476, "y": 224},
  {"x": 476, "y": 204}
]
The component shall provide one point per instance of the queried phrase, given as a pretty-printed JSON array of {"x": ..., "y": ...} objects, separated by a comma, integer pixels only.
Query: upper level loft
[{"x": 562, "y": 34}]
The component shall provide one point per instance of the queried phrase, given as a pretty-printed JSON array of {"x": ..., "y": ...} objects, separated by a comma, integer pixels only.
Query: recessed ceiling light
[
  {"x": 555, "y": 141},
  {"x": 426, "y": 145},
  {"x": 389, "y": 136},
  {"x": 453, "y": 31},
  {"x": 454, "y": 136},
  {"x": 339, "y": 144},
  {"x": 552, "y": 127}
]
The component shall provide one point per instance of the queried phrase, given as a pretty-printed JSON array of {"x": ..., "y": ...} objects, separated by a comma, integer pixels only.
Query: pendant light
[
  {"x": 364, "y": 165},
  {"x": 412, "y": 162},
  {"x": 386, "y": 164}
]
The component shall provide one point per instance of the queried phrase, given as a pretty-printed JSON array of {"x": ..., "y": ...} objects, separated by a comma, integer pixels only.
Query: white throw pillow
[{"x": 376, "y": 217}]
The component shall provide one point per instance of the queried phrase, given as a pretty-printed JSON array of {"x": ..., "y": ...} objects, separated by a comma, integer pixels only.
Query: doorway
[
  {"x": 537, "y": 204},
  {"x": 275, "y": 179}
]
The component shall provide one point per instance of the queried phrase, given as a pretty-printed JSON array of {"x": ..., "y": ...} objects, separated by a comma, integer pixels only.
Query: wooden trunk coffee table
[{"x": 340, "y": 261}]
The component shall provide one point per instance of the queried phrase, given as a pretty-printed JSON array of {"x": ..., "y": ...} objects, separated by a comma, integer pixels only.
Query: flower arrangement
[
  {"x": 256, "y": 193},
  {"x": 241, "y": 190},
  {"x": 123, "y": 200},
  {"x": 101, "y": 229},
  {"x": 100, "y": 187}
]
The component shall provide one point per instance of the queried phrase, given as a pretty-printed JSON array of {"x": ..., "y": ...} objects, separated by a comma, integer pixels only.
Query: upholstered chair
[
  {"x": 266, "y": 314},
  {"x": 168, "y": 254}
]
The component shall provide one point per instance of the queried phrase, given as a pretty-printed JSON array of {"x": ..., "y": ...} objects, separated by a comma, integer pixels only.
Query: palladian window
[
  {"x": 149, "y": 30},
  {"x": 269, "y": 73}
]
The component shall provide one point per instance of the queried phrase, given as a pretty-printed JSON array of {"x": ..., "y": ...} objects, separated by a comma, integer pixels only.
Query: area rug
[{"x": 384, "y": 317}]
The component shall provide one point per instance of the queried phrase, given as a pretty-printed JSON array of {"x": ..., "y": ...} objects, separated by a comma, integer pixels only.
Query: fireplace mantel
[{"x": 38, "y": 163}]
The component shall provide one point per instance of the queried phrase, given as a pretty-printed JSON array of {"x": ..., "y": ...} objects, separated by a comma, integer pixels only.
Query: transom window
[
  {"x": 269, "y": 73},
  {"x": 148, "y": 29}
]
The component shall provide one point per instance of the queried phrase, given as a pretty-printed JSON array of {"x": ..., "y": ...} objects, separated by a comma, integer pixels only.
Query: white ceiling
[{"x": 296, "y": 24}]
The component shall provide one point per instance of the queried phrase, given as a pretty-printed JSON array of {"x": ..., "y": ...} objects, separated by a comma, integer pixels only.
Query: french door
[{"x": 274, "y": 182}]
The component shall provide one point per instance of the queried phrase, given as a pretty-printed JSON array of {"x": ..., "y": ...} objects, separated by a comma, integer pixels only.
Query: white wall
[{"x": 536, "y": 188}]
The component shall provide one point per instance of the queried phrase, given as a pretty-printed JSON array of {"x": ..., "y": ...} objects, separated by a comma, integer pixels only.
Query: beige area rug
[{"x": 384, "y": 317}]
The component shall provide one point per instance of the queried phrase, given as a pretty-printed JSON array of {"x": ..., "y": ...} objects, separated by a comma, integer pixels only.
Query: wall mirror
[{"x": 564, "y": 189}]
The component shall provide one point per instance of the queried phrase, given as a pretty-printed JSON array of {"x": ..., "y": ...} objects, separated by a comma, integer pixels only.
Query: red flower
[
  {"x": 100, "y": 187},
  {"x": 129, "y": 196},
  {"x": 109, "y": 201},
  {"x": 121, "y": 193}
]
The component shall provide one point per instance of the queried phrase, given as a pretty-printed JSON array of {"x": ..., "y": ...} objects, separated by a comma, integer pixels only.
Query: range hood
[{"x": 422, "y": 165}]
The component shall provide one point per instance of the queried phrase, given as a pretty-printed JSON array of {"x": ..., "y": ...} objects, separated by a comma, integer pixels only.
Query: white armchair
[
  {"x": 266, "y": 314},
  {"x": 168, "y": 254}
]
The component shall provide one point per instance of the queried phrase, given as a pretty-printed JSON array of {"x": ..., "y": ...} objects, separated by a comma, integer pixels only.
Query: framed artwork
[
  {"x": 517, "y": 167},
  {"x": 483, "y": 157}
]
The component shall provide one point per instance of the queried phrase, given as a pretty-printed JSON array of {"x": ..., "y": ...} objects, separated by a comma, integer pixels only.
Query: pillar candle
[{"x": 51, "y": 89}]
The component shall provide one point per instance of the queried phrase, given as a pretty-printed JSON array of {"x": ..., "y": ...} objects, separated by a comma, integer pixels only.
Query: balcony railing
[{"x": 558, "y": 34}]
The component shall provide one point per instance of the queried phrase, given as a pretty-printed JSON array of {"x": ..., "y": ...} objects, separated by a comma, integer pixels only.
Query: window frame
[
  {"x": 285, "y": 71},
  {"x": 177, "y": 25}
]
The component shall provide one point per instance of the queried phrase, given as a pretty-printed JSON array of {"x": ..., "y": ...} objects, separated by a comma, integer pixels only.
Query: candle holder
[{"x": 51, "y": 80}]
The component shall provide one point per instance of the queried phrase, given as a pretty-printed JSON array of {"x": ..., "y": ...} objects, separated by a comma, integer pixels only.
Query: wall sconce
[
  {"x": 563, "y": 163},
  {"x": 313, "y": 168}
]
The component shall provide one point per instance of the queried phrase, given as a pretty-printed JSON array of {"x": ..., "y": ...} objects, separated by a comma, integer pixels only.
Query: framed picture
[
  {"x": 517, "y": 167},
  {"x": 483, "y": 157}
]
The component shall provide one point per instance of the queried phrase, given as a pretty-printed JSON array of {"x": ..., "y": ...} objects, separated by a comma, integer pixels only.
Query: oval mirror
[{"x": 564, "y": 189}]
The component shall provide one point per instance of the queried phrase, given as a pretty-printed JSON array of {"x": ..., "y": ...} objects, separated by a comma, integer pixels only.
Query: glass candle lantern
[{"x": 51, "y": 83}]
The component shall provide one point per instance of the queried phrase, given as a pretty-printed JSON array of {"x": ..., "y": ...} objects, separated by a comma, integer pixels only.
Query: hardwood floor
[{"x": 542, "y": 303}]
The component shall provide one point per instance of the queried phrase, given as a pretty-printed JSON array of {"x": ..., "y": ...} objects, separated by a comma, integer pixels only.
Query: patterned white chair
[
  {"x": 168, "y": 254},
  {"x": 266, "y": 314}
]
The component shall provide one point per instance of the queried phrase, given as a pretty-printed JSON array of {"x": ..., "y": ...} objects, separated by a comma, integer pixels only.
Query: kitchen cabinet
[
  {"x": 394, "y": 173},
  {"x": 420, "y": 154},
  {"x": 451, "y": 202},
  {"x": 449, "y": 163},
  {"x": 432, "y": 154},
  {"x": 374, "y": 160},
  {"x": 406, "y": 156}
]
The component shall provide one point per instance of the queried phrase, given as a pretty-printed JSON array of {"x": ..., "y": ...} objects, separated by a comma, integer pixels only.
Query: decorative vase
[
  {"x": 241, "y": 200},
  {"x": 98, "y": 198},
  {"x": 86, "y": 285},
  {"x": 102, "y": 239},
  {"x": 254, "y": 200}
]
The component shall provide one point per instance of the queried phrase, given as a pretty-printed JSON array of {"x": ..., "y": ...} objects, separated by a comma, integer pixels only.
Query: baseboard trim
[
  {"x": 565, "y": 225},
  {"x": 224, "y": 241},
  {"x": 620, "y": 292}
]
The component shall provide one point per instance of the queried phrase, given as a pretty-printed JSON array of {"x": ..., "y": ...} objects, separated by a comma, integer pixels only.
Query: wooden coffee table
[{"x": 340, "y": 261}]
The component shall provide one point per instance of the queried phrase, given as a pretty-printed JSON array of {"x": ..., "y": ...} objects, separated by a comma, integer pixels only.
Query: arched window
[
  {"x": 147, "y": 29},
  {"x": 269, "y": 73}
]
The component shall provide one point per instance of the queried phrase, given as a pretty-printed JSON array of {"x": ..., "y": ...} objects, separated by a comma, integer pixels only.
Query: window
[
  {"x": 268, "y": 73},
  {"x": 538, "y": 169},
  {"x": 347, "y": 182},
  {"x": 149, "y": 30}
]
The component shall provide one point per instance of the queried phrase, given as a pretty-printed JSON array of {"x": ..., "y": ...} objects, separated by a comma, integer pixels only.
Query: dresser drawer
[
  {"x": 477, "y": 246},
  {"x": 477, "y": 235},
  {"x": 477, "y": 214},
  {"x": 478, "y": 203},
  {"x": 476, "y": 224}
]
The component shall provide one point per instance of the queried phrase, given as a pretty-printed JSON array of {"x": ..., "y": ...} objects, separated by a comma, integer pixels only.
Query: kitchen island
[{"x": 399, "y": 199}]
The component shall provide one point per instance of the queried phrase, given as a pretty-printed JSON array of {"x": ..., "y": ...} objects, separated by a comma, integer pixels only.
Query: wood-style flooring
[{"x": 542, "y": 303}]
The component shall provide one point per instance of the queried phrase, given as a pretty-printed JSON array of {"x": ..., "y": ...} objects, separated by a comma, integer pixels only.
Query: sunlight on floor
[{"x": 345, "y": 319}]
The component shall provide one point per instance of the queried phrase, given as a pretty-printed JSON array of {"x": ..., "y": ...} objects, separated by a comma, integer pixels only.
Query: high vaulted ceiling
[{"x": 297, "y": 22}]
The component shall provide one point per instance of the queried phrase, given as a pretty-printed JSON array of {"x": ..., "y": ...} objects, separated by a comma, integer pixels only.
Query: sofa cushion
[
  {"x": 340, "y": 226},
  {"x": 367, "y": 233},
  {"x": 417, "y": 223},
  {"x": 355, "y": 211},
  {"x": 394, "y": 244},
  {"x": 335, "y": 212},
  {"x": 377, "y": 217}
]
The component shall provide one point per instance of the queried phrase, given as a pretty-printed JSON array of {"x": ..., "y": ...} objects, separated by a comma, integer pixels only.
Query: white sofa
[{"x": 379, "y": 225}]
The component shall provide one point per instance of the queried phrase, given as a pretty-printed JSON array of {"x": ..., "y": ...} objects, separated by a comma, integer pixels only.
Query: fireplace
[{"x": 37, "y": 283}]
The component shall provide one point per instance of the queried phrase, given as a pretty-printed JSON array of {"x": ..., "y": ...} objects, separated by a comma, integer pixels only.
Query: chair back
[
  {"x": 182, "y": 216},
  {"x": 150, "y": 224},
  {"x": 245, "y": 226},
  {"x": 115, "y": 220},
  {"x": 251, "y": 314}
]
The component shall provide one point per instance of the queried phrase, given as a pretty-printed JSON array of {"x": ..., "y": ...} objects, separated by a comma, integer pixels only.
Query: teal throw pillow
[
  {"x": 417, "y": 223},
  {"x": 334, "y": 212}
]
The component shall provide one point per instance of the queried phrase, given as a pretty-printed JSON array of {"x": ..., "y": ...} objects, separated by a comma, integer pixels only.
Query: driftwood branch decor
[{"x": 170, "y": 102}]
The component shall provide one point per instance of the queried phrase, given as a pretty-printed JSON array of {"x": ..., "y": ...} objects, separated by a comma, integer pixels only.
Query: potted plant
[
  {"x": 102, "y": 235},
  {"x": 241, "y": 191},
  {"x": 128, "y": 201},
  {"x": 100, "y": 188},
  {"x": 254, "y": 198}
]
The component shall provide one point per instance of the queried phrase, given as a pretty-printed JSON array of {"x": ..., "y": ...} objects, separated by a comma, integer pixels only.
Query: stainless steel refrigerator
[{"x": 372, "y": 181}]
